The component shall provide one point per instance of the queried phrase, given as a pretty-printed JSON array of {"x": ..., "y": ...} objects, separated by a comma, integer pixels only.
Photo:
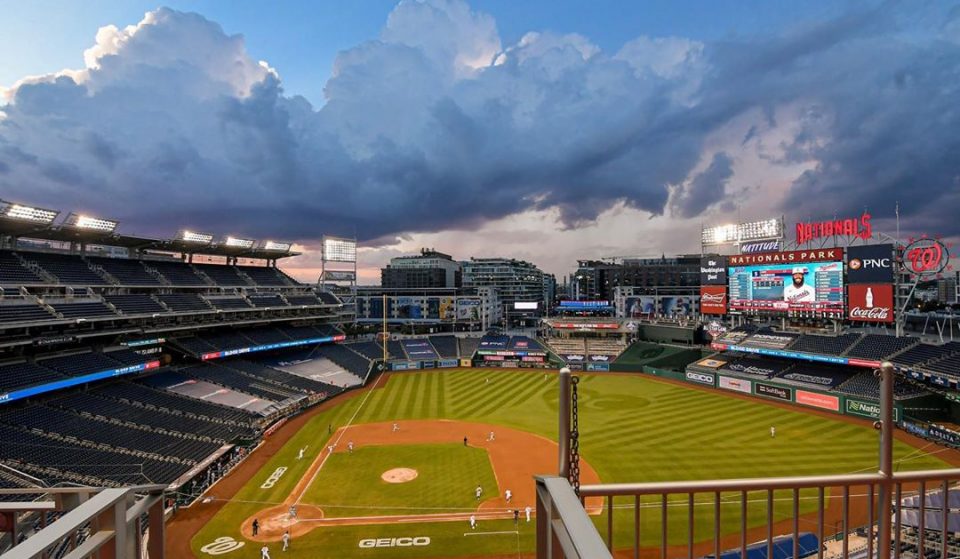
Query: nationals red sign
[
  {"x": 817, "y": 255},
  {"x": 713, "y": 299},
  {"x": 855, "y": 227},
  {"x": 870, "y": 302},
  {"x": 818, "y": 400}
]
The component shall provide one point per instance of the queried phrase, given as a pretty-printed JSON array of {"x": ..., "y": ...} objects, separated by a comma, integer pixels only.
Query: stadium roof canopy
[{"x": 37, "y": 223}]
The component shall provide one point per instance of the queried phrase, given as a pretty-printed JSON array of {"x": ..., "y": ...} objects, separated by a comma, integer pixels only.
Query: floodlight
[
  {"x": 191, "y": 237},
  {"x": 28, "y": 213},
  {"x": 237, "y": 242},
  {"x": 275, "y": 246},
  {"x": 339, "y": 250},
  {"x": 81, "y": 221}
]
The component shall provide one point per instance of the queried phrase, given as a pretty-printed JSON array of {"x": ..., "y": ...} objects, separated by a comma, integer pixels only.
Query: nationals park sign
[{"x": 790, "y": 257}]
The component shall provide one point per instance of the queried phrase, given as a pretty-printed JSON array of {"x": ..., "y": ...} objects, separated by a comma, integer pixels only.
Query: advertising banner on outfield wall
[
  {"x": 771, "y": 391},
  {"x": 870, "y": 302},
  {"x": 711, "y": 363},
  {"x": 867, "y": 409},
  {"x": 815, "y": 400},
  {"x": 735, "y": 384},
  {"x": 701, "y": 378},
  {"x": 944, "y": 435},
  {"x": 870, "y": 264},
  {"x": 713, "y": 299}
]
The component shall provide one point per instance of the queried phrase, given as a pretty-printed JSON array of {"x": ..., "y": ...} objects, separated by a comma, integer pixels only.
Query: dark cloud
[{"x": 435, "y": 126}]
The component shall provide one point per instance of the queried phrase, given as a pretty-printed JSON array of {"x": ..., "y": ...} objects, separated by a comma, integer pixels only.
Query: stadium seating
[
  {"x": 468, "y": 346},
  {"x": 176, "y": 273},
  {"x": 328, "y": 298},
  {"x": 301, "y": 299},
  {"x": 23, "y": 312},
  {"x": 264, "y": 336},
  {"x": 754, "y": 367},
  {"x": 14, "y": 376},
  {"x": 523, "y": 343},
  {"x": 266, "y": 276},
  {"x": 395, "y": 350},
  {"x": 184, "y": 302},
  {"x": 80, "y": 363},
  {"x": 59, "y": 460},
  {"x": 874, "y": 346},
  {"x": 195, "y": 345},
  {"x": 446, "y": 346},
  {"x": 925, "y": 353},
  {"x": 346, "y": 358},
  {"x": 222, "y": 275},
  {"x": 370, "y": 350},
  {"x": 135, "y": 304},
  {"x": 820, "y": 377},
  {"x": 419, "y": 349},
  {"x": 271, "y": 300},
  {"x": 281, "y": 378},
  {"x": 118, "y": 437},
  {"x": 68, "y": 269},
  {"x": 494, "y": 342},
  {"x": 301, "y": 332},
  {"x": 140, "y": 395},
  {"x": 190, "y": 427},
  {"x": 867, "y": 384},
  {"x": 128, "y": 357},
  {"x": 79, "y": 308},
  {"x": 229, "y": 303},
  {"x": 240, "y": 382},
  {"x": 125, "y": 271},
  {"x": 825, "y": 345},
  {"x": 13, "y": 272},
  {"x": 949, "y": 366},
  {"x": 226, "y": 340}
]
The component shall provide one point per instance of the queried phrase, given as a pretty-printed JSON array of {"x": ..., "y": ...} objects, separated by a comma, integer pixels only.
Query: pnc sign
[{"x": 853, "y": 227}]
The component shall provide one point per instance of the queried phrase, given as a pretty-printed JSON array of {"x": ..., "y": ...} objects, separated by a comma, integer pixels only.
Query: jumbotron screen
[{"x": 808, "y": 287}]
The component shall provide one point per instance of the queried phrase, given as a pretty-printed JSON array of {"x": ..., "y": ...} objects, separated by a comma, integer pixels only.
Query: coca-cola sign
[
  {"x": 870, "y": 302},
  {"x": 713, "y": 299}
]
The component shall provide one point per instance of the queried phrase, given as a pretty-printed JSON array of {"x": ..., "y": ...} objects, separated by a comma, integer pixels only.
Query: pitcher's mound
[{"x": 399, "y": 475}]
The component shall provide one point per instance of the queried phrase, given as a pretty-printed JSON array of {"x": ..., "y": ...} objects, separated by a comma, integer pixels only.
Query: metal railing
[
  {"x": 112, "y": 521},
  {"x": 705, "y": 512}
]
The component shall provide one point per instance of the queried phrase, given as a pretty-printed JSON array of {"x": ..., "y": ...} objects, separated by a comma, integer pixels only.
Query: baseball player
[
  {"x": 286, "y": 540},
  {"x": 516, "y": 516},
  {"x": 330, "y": 449},
  {"x": 473, "y": 522},
  {"x": 300, "y": 455},
  {"x": 293, "y": 511},
  {"x": 508, "y": 494},
  {"x": 798, "y": 291},
  {"x": 491, "y": 437},
  {"x": 350, "y": 447},
  {"x": 527, "y": 510},
  {"x": 478, "y": 491},
  {"x": 396, "y": 427},
  {"x": 264, "y": 552},
  {"x": 773, "y": 432},
  {"x": 256, "y": 527}
]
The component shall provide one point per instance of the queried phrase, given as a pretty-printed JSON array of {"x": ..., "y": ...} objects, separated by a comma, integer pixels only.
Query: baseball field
[{"x": 401, "y": 480}]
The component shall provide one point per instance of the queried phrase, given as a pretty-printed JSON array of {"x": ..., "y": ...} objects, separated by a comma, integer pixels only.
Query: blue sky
[
  {"x": 301, "y": 39},
  {"x": 544, "y": 130}
]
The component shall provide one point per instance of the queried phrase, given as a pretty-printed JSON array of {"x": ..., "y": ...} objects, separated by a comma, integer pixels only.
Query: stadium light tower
[
  {"x": 80, "y": 221},
  {"x": 27, "y": 213},
  {"x": 237, "y": 242},
  {"x": 194, "y": 237}
]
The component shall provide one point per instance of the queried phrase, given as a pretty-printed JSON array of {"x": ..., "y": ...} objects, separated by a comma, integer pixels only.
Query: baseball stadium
[{"x": 185, "y": 397}]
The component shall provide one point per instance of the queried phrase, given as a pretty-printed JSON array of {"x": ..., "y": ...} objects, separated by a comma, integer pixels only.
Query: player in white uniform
[
  {"x": 508, "y": 494},
  {"x": 473, "y": 522},
  {"x": 286, "y": 540},
  {"x": 264, "y": 552},
  {"x": 527, "y": 510},
  {"x": 300, "y": 456},
  {"x": 798, "y": 291},
  {"x": 773, "y": 432},
  {"x": 478, "y": 491}
]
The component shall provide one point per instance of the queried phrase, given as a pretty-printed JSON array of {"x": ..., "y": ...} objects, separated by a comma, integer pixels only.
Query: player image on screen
[{"x": 798, "y": 291}]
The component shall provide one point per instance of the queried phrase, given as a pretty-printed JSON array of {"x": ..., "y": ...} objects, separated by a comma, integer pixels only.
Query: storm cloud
[{"x": 437, "y": 125}]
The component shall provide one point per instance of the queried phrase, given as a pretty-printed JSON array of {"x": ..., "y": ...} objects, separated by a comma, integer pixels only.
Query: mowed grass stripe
[
  {"x": 415, "y": 406},
  {"x": 518, "y": 395},
  {"x": 484, "y": 395}
]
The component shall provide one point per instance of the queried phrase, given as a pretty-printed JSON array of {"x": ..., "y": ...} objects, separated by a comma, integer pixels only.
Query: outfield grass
[
  {"x": 350, "y": 484},
  {"x": 633, "y": 429}
]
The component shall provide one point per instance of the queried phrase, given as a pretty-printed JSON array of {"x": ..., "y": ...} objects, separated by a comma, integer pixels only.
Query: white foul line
[{"x": 490, "y": 533}]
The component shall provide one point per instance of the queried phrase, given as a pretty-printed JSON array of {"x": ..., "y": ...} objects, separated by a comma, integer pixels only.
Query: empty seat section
[
  {"x": 303, "y": 299},
  {"x": 222, "y": 275},
  {"x": 346, "y": 358},
  {"x": 924, "y": 353},
  {"x": 176, "y": 273},
  {"x": 13, "y": 272},
  {"x": 241, "y": 383},
  {"x": 184, "y": 302},
  {"x": 370, "y": 350},
  {"x": 264, "y": 336},
  {"x": 328, "y": 298},
  {"x": 135, "y": 304},
  {"x": 226, "y": 340},
  {"x": 826, "y": 345},
  {"x": 126, "y": 271},
  {"x": 229, "y": 303},
  {"x": 130, "y": 357},
  {"x": 446, "y": 346},
  {"x": 80, "y": 364},
  {"x": 68, "y": 269},
  {"x": 267, "y": 300},
  {"x": 468, "y": 346},
  {"x": 874, "y": 346},
  {"x": 84, "y": 309},
  {"x": 22, "y": 375},
  {"x": 282, "y": 378},
  {"x": 138, "y": 394},
  {"x": 267, "y": 276},
  {"x": 23, "y": 313}
]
